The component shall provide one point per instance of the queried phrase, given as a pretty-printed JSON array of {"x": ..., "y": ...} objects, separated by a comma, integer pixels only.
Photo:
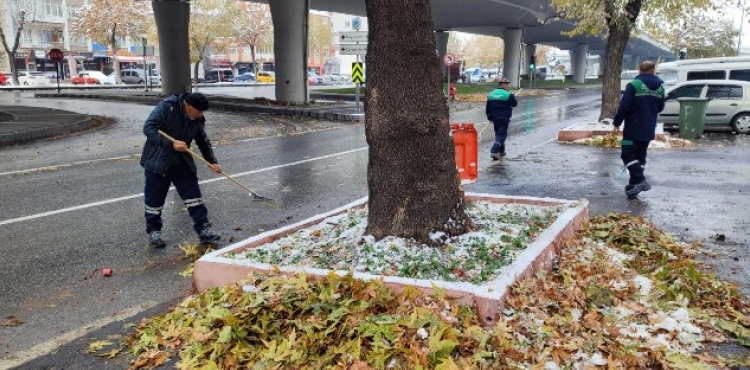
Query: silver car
[
  {"x": 138, "y": 76},
  {"x": 729, "y": 105}
]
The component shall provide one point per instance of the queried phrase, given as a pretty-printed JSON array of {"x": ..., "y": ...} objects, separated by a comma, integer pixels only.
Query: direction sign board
[
  {"x": 358, "y": 75},
  {"x": 56, "y": 55},
  {"x": 353, "y": 36},
  {"x": 353, "y": 49},
  {"x": 449, "y": 59}
]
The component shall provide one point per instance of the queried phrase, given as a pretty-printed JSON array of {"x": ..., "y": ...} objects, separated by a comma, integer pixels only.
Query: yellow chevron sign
[{"x": 358, "y": 75}]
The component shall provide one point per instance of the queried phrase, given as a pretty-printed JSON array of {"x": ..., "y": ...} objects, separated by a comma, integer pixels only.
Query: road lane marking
[
  {"x": 55, "y": 167},
  {"x": 133, "y": 196},
  {"x": 51, "y": 345}
]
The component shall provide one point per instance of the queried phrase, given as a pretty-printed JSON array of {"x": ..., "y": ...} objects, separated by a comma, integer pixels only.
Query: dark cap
[{"x": 197, "y": 101}]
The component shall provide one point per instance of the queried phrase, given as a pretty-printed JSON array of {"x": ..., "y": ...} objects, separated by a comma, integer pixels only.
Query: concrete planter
[
  {"x": 216, "y": 269},
  {"x": 585, "y": 131}
]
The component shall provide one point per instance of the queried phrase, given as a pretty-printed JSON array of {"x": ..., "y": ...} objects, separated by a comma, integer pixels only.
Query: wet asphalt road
[{"x": 73, "y": 205}]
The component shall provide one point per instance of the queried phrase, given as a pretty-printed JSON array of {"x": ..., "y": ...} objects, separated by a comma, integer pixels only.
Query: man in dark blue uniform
[
  {"x": 166, "y": 162},
  {"x": 641, "y": 103},
  {"x": 499, "y": 109}
]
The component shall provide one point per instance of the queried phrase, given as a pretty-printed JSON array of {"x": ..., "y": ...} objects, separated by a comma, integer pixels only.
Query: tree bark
[
  {"x": 414, "y": 188},
  {"x": 614, "y": 51},
  {"x": 617, "y": 39}
]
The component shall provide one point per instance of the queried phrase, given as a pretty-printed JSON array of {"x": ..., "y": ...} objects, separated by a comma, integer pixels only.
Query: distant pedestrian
[
  {"x": 500, "y": 104},
  {"x": 165, "y": 162},
  {"x": 641, "y": 103},
  {"x": 452, "y": 90}
]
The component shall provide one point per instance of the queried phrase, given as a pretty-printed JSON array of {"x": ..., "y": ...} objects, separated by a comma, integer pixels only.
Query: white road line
[
  {"x": 54, "y": 167},
  {"x": 51, "y": 345},
  {"x": 133, "y": 196}
]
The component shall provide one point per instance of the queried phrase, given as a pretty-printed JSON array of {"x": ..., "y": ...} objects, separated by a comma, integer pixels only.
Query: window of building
[
  {"x": 232, "y": 49},
  {"x": 73, "y": 10},
  {"x": 325, "y": 53},
  {"x": 26, "y": 37},
  {"x": 53, "y": 8},
  {"x": 247, "y": 50}
]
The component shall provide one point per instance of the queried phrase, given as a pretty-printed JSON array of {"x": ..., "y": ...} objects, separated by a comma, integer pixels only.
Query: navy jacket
[
  {"x": 500, "y": 104},
  {"x": 169, "y": 116},
  {"x": 640, "y": 105}
]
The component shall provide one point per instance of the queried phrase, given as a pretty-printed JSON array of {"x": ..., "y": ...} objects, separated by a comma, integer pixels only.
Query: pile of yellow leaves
[
  {"x": 607, "y": 141},
  {"x": 609, "y": 302}
]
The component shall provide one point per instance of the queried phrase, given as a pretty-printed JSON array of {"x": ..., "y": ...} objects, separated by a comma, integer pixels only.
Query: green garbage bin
[{"x": 692, "y": 117}]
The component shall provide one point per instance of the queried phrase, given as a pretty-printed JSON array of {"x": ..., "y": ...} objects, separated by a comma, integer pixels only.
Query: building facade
[{"x": 47, "y": 25}]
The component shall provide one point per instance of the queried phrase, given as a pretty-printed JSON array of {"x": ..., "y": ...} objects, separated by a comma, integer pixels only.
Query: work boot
[
  {"x": 207, "y": 235},
  {"x": 495, "y": 156},
  {"x": 155, "y": 240},
  {"x": 633, "y": 189}
]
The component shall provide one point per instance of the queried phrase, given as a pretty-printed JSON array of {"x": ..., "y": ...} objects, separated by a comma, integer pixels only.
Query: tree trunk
[
  {"x": 414, "y": 188},
  {"x": 255, "y": 63},
  {"x": 115, "y": 60},
  {"x": 614, "y": 51}
]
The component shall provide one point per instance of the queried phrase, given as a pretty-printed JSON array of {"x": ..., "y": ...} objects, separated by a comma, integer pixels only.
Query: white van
[
  {"x": 626, "y": 77},
  {"x": 720, "y": 68}
]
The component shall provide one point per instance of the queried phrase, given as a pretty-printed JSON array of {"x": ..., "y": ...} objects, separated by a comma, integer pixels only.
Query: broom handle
[{"x": 196, "y": 155}]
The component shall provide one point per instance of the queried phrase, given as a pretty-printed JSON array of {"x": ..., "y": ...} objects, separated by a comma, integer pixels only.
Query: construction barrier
[{"x": 465, "y": 142}]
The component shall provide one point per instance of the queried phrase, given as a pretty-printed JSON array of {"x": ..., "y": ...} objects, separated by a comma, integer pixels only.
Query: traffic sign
[
  {"x": 56, "y": 55},
  {"x": 355, "y": 36},
  {"x": 449, "y": 59},
  {"x": 356, "y": 23},
  {"x": 358, "y": 74},
  {"x": 353, "y": 49}
]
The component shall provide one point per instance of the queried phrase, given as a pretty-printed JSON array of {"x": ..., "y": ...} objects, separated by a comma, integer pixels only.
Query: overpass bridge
[{"x": 522, "y": 24}]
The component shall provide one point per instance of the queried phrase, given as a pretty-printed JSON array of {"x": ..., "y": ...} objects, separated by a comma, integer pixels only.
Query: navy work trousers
[
  {"x": 501, "y": 133},
  {"x": 634, "y": 157},
  {"x": 186, "y": 184}
]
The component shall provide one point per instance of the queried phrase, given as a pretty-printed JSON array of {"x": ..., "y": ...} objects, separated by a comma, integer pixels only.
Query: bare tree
[
  {"x": 103, "y": 20},
  {"x": 414, "y": 187},
  {"x": 483, "y": 50},
  {"x": 252, "y": 26},
  {"x": 319, "y": 34},
  {"x": 210, "y": 26},
  {"x": 22, "y": 13}
]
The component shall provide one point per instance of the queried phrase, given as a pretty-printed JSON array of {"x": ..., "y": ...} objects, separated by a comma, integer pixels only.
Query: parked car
[
  {"x": 266, "y": 76},
  {"x": 219, "y": 75},
  {"x": 32, "y": 78},
  {"x": 92, "y": 78},
  {"x": 313, "y": 78},
  {"x": 245, "y": 77},
  {"x": 729, "y": 105},
  {"x": 3, "y": 79},
  {"x": 138, "y": 76}
]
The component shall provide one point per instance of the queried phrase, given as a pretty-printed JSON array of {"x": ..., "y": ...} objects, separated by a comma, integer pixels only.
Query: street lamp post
[
  {"x": 144, "y": 42},
  {"x": 742, "y": 22}
]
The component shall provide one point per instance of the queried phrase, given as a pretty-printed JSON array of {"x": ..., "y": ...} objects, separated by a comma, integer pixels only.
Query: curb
[
  {"x": 225, "y": 104},
  {"x": 25, "y": 136}
]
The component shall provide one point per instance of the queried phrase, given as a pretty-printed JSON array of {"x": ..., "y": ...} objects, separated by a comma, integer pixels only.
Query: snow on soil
[{"x": 339, "y": 243}]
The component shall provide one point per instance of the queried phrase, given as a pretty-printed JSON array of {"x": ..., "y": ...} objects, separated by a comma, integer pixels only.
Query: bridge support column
[
  {"x": 290, "y": 49},
  {"x": 172, "y": 23},
  {"x": 600, "y": 72},
  {"x": 441, "y": 42},
  {"x": 636, "y": 61},
  {"x": 511, "y": 71},
  {"x": 580, "y": 62},
  {"x": 529, "y": 50}
]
